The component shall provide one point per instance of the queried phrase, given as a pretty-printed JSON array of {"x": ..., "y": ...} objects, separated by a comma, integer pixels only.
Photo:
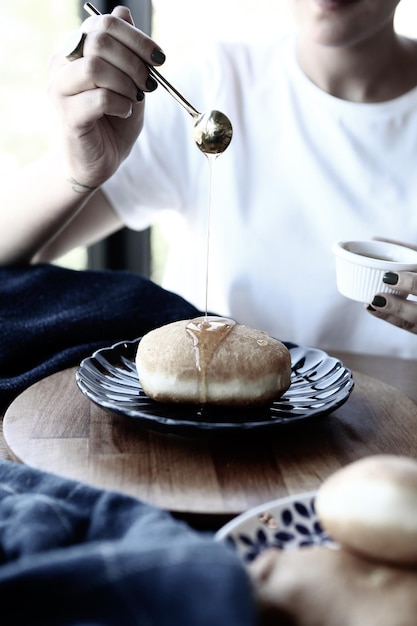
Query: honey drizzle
[
  {"x": 211, "y": 158},
  {"x": 207, "y": 333}
]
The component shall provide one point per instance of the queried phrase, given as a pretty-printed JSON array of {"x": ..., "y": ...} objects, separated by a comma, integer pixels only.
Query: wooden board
[{"x": 54, "y": 427}]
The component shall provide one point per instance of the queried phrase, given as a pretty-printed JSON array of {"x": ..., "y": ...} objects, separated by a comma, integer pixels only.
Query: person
[{"x": 323, "y": 149}]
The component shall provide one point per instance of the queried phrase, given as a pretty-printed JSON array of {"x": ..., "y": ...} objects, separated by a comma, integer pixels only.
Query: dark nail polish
[
  {"x": 370, "y": 308},
  {"x": 379, "y": 301},
  {"x": 390, "y": 278},
  {"x": 139, "y": 95},
  {"x": 151, "y": 84},
  {"x": 158, "y": 56}
]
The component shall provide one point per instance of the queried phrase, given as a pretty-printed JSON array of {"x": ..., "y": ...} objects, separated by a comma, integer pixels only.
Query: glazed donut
[
  {"x": 370, "y": 507},
  {"x": 212, "y": 360}
]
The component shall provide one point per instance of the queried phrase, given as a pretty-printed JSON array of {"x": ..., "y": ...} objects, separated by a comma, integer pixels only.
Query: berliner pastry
[
  {"x": 370, "y": 507},
  {"x": 212, "y": 360}
]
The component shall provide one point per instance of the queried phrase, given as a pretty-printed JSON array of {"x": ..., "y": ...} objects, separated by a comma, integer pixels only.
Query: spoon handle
[
  {"x": 91, "y": 9},
  {"x": 172, "y": 91}
]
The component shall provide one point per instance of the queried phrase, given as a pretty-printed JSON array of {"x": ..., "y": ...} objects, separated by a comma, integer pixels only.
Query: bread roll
[
  {"x": 370, "y": 506},
  {"x": 212, "y": 360}
]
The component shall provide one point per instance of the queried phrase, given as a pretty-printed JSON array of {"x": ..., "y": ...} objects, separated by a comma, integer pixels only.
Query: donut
[
  {"x": 212, "y": 360},
  {"x": 370, "y": 507}
]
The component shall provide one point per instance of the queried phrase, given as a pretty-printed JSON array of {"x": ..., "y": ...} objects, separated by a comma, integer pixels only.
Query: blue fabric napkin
[
  {"x": 73, "y": 555},
  {"x": 52, "y": 317}
]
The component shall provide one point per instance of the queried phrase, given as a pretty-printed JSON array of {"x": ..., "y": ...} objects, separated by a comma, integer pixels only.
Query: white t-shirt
[{"x": 304, "y": 169}]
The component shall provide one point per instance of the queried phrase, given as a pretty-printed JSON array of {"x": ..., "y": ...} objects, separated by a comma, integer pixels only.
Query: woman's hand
[
  {"x": 100, "y": 95},
  {"x": 396, "y": 309}
]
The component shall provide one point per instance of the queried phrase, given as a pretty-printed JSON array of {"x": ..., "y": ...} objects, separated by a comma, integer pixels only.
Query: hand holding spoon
[{"x": 212, "y": 131}]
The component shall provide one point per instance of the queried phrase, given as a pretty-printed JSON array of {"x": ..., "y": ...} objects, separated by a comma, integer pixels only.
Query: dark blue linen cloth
[
  {"x": 72, "y": 555},
  {"x": 52, "y": 317}
]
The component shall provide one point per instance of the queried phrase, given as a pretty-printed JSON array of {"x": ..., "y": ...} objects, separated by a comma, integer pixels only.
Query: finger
[
  {"x": 394, "y": 321},
  {"x": 395, "y": 305},
  {"x": 89, "y": 106},
  {"x": 124, "y": 14},
  {"x": 91, "y": 73},
  {"x": 102, "y": 46},
  {"x": 395, "y": 310},
  {"x": 403, "y": 281},
  {"x": 126, "y": 34}
]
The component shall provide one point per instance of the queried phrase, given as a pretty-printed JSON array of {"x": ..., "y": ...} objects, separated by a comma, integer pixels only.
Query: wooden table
[{"x": 53, "y": 426}]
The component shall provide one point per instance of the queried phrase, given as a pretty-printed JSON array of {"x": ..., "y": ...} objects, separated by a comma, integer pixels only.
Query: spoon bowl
[{"x": 212, "y": 132}]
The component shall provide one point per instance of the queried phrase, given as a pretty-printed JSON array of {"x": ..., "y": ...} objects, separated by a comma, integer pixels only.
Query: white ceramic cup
[{"x": 361, "y": 265}]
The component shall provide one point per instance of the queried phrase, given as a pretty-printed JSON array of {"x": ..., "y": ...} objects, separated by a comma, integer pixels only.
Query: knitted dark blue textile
[{"x": 52, "y": 317}]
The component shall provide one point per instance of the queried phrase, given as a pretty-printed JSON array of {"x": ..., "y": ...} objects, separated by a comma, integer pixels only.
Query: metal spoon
[{"x": 212, "y": 132}]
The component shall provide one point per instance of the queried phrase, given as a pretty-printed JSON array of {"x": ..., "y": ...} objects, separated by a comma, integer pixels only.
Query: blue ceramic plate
[
  {"x": 319, "y": 385},
  {"x": 286, "y": 524}
]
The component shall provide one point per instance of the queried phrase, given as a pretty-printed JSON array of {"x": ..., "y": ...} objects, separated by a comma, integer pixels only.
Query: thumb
[{"x": 124, "y": 14}]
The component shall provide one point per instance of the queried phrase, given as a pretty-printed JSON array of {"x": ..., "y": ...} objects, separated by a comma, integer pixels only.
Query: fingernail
[
  {"x": 379, "y": 301},
  {"x": 390, "y": 278},
  {"x": 151, "y": 84},
  {"x": 139, "y": 95},
  {"x": 158, "y": 56}
]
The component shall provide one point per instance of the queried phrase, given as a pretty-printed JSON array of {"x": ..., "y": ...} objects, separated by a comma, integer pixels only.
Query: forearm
[
  {"x": 37, "y": 204},
  {"x": 100, "y": 99}
]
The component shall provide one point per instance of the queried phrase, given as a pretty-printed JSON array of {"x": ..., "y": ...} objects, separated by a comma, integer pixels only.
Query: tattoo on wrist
[{"x": 79, "y": 187}]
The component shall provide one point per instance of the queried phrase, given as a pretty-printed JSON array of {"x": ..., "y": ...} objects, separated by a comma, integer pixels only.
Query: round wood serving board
[{"x": 53, "y": 426}]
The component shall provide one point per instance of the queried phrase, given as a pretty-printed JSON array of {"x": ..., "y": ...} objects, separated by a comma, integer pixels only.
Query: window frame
[{"x": 127, "y": 249}]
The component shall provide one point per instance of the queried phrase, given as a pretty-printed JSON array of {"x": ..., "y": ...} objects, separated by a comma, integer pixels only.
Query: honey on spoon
[{"x": 212, "y": 131}]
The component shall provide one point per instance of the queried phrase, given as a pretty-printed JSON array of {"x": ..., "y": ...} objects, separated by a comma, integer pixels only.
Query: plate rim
[
  {"x": 222, "y": 533},
  {"x": 200, "y": 426}
]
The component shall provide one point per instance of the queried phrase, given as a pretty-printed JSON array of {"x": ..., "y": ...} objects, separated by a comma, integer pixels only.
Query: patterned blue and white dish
[
  {"x": 319, "y": 385},
  {"x": 287, "y": 523}
]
